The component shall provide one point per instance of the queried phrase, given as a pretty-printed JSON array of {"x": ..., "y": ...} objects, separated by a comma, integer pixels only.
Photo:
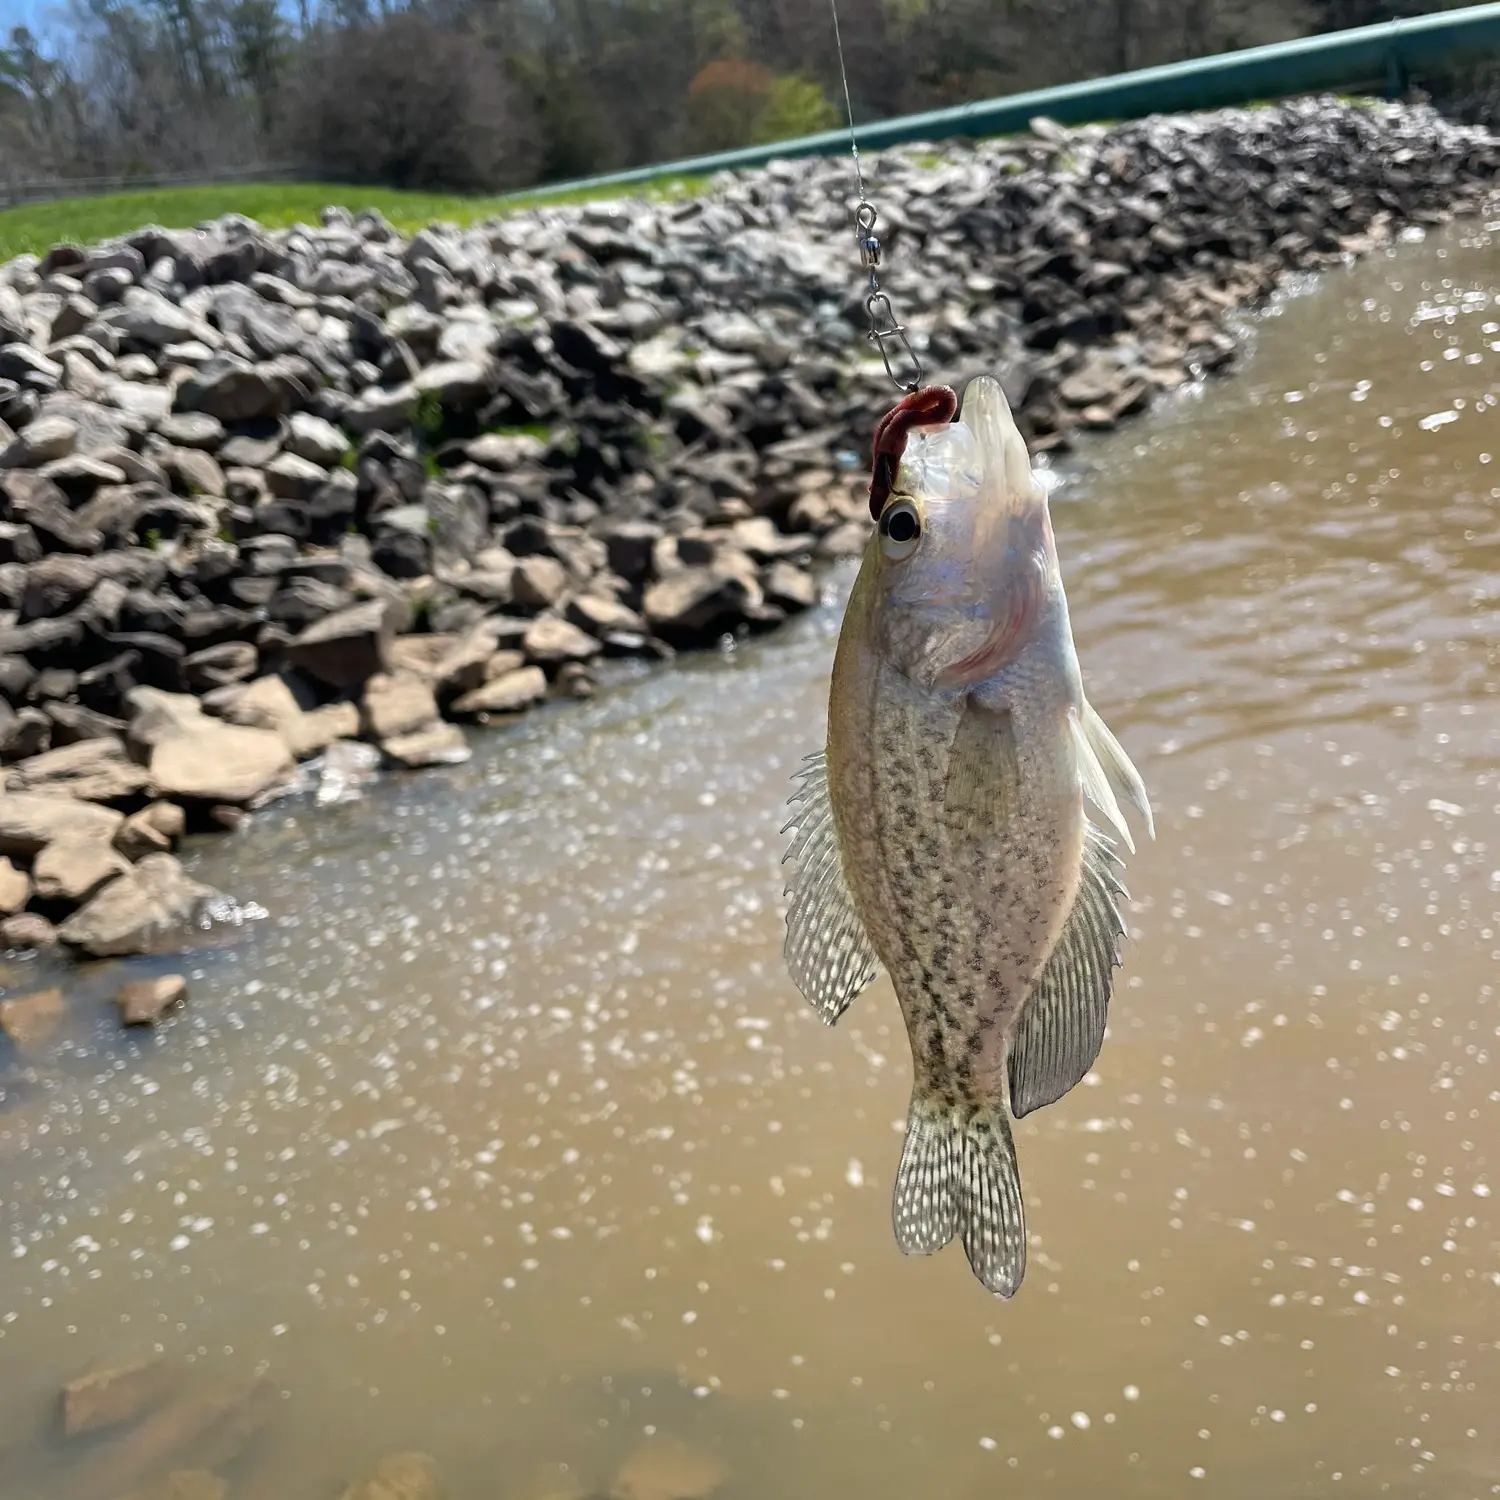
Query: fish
[{"x": 962, "y": 826}]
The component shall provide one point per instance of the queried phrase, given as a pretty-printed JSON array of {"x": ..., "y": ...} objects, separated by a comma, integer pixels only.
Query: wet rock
[
  {"x": 191, "y": 429},
  {"x": 348, "y": 648},
  {"x": 71, "y": 871},
  {"x": 93, "y": 770},
  {"x": 698, "y": 603},
  {"x": 317, "y": 441},
  {"x": 400, "y": 1476},
  {"x": 218, "y": 666},
  {"x": 550, "y": 642},
  {"x": 42, "y": 441},
  {"x": 347, "y": 766},
  {"x": 157, "y": 716},
  {"x": 143, "y": 1002},
  {"x": 291, "y": 477},
  {"x": 15, "y": 888},
  {"x": 24, "y": 734},
  {"x": 27, "y": 930},
  {"x": 141, "y": 834},
  {"x": 599, "y": 614},
  {"x": 221, "y": 763},
  {"x": 508, "y": 693},
  {"x": 319, "y": 728},
  {"x": 435, "y": 744},
  {"x": 114, "y": 1392},
  {"x": 396, "y": 704},
  {"x": 266, "y": 703},
  {"x": 662, "y": 1469},
  {"x": 137, "y": 911},
  {"x": 231, "y": 392},
  {"x": 185, "y": 1484},
  {"x": 790, "y": 587},
  {"x": 31, "y": 1020},
  {"x": 29, "y": 821}
]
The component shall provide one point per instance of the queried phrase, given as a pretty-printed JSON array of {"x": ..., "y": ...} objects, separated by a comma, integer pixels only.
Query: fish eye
[{"x": 900, "y": 529}]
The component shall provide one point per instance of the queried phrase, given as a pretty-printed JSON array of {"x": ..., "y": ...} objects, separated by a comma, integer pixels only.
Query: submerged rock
[
  {"x": 114, "y": 1392},
  {"x": 664, "y": 1469},
  {"x": 29, "y": 1020},
  {"x": 144, "y": 1001},
  {"x": 147, "y": 907},
  {"x": 401, "y": 1476}
]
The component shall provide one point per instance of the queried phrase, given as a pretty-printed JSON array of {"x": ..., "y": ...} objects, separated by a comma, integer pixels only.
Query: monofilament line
[{"x": 838, "y": 39}]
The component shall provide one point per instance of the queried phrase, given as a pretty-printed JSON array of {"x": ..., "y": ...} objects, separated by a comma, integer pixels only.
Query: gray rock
[
  {"x": 382, "y": 409},
  {"x": 143, "y": 1002},
  {"x": 29, "y": 821},
  {"x": 396, "y": 704},
  {"x": 347, "y": 649},
  {"x": 148, "y": 318},
  {"x": 538, "y": 583},
  {"x": 192, "y": 429},
  {"x": 72, "y": 871},
  {"x": 317, "y": 441},
  {"x": 504, "y": 450},
  {"x": 599, "y": 614},
  {"x": 45, "y": 439},
  {"x": 550, "y": 642},
  {"x": 221, "y": 763},
  {"x": 15, "y": 888},
  {"x": 144, "y": 909},
  {"x": 435, "y": 744},
  {"x": 458, "y": 383},
  {"x": 291, "y": 477},
  {"x": 98, "y": 427},
  {"x": 789, "y": 587},
  {"x": 232, "y": 392},
  {"x": 506, "y": 694},
  {"x": 27, "y": 930},
  {"x": 195, "y": 472},
  {"x": 92, "y": 770},
  {"x": 698, "y": 603},
  {"x": 217, "y": 666}
]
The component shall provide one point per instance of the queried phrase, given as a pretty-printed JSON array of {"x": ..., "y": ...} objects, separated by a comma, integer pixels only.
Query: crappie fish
[{"x": 944, "y": 832}]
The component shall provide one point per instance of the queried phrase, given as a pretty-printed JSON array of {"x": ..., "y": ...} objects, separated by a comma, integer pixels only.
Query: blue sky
[{"x": 32, "y": 13}]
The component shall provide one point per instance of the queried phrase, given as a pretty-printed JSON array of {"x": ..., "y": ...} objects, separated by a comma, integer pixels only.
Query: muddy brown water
[{"x": 505, "y": 1136}]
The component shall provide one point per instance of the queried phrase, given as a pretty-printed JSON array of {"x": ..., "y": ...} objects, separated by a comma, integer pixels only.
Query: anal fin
[
  {"x": 1062, "y": 1022},
  {"x": 827, "y": 950}
]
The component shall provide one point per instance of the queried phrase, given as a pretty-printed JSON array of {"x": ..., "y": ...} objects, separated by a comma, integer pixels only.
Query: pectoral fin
[
  {"x": 827, "y": 950},
  {"x": 1117, "y": 766},
  {"x": 983, "y": 788},
  {"x": 1096, "y": 783},
  {"x": 1062, "y": 1024}
]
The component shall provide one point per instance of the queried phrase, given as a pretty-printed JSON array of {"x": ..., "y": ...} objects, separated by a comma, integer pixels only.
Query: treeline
[{"x": 494, "y": 94}]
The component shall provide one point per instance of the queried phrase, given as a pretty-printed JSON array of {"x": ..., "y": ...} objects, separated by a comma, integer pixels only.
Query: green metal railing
[{"x": 1367, "y": 59}]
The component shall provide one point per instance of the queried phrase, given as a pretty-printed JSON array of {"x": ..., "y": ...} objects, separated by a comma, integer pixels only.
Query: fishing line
[{"x": 883, "y": 325}]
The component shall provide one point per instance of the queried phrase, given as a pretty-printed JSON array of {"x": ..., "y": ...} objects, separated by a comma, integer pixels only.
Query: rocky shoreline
[{"x": 322, "y": 496}]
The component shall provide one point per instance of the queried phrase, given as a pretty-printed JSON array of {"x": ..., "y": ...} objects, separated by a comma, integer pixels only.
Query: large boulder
[
  {"x": 72, "y": 870},
  {"x": 221, "y": 763},
  {"x": 346, "y": 649},
  {"x": 94, "y": 770},
  {"x": 29, "y": 821},
  {"x": 138, "y": 911}
]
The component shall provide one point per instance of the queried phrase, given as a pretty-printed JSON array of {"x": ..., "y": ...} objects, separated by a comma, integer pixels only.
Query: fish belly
[{"x": 963, "y": 917}]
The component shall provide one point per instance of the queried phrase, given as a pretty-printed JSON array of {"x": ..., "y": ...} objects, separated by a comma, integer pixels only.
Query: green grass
[{"x": 85, "y": 221}]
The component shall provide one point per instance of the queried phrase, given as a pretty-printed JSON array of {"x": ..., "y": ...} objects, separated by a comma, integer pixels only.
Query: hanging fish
[{"x": 943, "y": 833}]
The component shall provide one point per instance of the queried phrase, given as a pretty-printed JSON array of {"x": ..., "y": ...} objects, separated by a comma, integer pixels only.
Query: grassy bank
[{"x": 37, "y": 227}]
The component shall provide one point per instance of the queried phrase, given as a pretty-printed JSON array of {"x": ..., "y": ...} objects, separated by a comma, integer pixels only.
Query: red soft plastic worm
[{"x": 927, "y": 406}]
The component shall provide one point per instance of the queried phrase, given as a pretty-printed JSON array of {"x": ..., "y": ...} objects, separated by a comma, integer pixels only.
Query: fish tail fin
[{"x": 958, "y": 1176}]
